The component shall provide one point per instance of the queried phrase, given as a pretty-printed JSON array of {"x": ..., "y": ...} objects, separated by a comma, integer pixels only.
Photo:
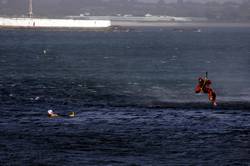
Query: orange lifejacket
[{"x": 203, "y": 85}]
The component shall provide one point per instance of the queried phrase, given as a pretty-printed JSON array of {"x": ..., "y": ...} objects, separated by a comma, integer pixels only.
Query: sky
[
  {"x": 190, "y": 0},
  {"x": 150, "y": 1},
  {"x": 67, "y": 7}
]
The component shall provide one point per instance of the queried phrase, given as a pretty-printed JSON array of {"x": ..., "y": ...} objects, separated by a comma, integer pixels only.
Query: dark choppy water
[{"x": 133, "y": 94}]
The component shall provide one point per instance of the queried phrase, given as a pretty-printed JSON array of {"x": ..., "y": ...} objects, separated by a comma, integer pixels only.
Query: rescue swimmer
[{"x": 204, "y": 85}]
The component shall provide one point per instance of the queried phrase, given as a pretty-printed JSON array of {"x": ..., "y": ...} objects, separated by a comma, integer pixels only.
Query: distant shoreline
[
  {"x": 126, "y": 26},
  {"x": 177, "y": 24}
]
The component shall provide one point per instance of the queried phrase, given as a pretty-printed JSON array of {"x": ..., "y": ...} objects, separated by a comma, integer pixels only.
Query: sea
[{"x": 132, "y": 93}]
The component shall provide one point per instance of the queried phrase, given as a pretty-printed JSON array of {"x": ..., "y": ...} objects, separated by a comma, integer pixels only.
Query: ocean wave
[
  {"x": 83, "y": 93},
  {"x": 221, "y": 105},
  {"x": 111, "y": 101}
]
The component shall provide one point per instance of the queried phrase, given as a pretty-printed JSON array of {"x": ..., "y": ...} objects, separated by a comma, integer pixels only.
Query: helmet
[
  {"x": 200, "y": 79},
  {"x": 50, "y": 112}
]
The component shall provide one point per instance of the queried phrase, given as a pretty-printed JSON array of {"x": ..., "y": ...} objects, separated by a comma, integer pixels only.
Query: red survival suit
[{"x": 204, "y": 86}]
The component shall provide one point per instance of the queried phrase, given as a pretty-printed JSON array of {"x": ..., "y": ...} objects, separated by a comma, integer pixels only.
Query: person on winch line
[{"x": 204, "y": 86}]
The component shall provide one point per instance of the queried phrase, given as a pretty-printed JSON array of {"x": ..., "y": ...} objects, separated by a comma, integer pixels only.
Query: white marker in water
[{"x": 44, "y": 52}]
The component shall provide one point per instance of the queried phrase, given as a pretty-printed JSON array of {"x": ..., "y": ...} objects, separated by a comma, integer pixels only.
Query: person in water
[
  {"x": 204, "y": 85},
  {"x": 51, "y": 114}
]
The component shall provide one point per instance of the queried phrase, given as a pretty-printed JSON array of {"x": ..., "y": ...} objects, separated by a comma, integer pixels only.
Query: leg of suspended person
[{"x": 212, "y": 96}]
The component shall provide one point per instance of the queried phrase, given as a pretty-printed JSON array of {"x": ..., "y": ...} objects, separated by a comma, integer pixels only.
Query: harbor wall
[{"x": 53, "y": 23}]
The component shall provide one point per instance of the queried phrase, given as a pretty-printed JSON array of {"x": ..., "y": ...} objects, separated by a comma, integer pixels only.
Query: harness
[{"x": 205, "y": 81}]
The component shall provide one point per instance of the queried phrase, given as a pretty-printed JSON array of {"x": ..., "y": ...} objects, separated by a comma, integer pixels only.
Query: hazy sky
[
  {"x": 151, "y": 1},
  {"x": 193, "y": 0}
]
